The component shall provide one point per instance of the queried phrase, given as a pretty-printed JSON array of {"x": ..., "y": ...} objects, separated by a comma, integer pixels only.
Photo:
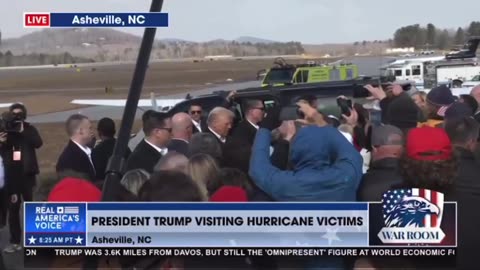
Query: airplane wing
[
  {"x": 160, "y": 103},
  {"x": 5, "y": 105}
]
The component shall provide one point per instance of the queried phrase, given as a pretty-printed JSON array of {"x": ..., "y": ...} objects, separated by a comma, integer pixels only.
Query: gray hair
[
  {"x": 172, "y": 161},
  {"x": 133, "y": 180},
  {"x": 216, "y": 112},
  {"x": 205, "y": 143}
]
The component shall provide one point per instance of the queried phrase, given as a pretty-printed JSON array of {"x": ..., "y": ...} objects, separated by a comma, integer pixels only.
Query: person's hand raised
[
  {"x": 351, "y": 120},
  {"x": 376, "y": 92},
  {"x": 311, "y": 115}
]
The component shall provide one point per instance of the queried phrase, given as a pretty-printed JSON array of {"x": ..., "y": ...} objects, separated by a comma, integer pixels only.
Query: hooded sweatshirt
[{"x": 326, "y": 167}]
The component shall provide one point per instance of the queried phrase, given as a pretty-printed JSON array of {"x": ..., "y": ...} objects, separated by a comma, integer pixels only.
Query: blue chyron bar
[
  {"x": 77, "y": 230},
  {"x": 149, "y": 19}
]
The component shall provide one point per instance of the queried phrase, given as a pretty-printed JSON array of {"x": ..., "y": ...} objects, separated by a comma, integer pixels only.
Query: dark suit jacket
[
  {"x": 245, "y": 131},
  {"x": 143, "y": 157},
  {"x": 73, "y": 158},
  {"x": 207, "y": 130},
  {"x": 203, "y": 125},
  {"x": 102, "y": 153},
  {"x": 179, "y": 146}
]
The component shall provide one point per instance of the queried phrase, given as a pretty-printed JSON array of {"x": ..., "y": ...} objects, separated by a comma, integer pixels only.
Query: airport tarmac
[
  {"x": 176, "y": 87},
  {"x": 116, "y": 113}
]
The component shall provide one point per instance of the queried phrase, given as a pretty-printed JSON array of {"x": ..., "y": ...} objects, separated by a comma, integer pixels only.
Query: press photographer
[{"x": 19, "y": 141}]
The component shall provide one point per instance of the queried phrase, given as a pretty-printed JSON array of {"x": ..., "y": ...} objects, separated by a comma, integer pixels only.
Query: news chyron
[
  {"x": 89, "y": 20},
  {"x": 408, "y": 222}
]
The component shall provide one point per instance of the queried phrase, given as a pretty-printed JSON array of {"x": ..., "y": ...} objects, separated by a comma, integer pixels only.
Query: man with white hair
[
  {"x": 219, "y": 122},
  {"x": 172, "y": 161},
  {"x": 182, "y": 129}
]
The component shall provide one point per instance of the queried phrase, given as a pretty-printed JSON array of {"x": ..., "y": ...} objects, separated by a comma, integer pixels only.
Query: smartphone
[
  {"x": 290, "y": 112},
  {"x": 345, "y": 105}
]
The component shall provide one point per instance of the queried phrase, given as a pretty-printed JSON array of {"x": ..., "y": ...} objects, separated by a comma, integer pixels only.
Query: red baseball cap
[
  {"x": 229, "y": 194},
  {"x": 72, "y": 189},
  {"x": 428, "y": 143}
]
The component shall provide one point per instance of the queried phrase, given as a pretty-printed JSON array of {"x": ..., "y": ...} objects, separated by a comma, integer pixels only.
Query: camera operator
[{"x": 19, "y": 140}]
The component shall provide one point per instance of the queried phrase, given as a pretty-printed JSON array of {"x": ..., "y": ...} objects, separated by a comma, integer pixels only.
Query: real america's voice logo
[{"x": 412, "y": 216}]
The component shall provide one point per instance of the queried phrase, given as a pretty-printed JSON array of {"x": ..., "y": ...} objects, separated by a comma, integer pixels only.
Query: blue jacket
[{"x": 326, "y": 167}]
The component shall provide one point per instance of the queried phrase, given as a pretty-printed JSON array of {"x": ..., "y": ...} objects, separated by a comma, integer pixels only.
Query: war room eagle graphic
[{"x": 412, "y": 216}]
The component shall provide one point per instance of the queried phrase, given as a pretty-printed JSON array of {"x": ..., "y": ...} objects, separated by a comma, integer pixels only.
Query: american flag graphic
[
  {"x": 71, "y": 210},
  {"x": 412, "y": 207}
]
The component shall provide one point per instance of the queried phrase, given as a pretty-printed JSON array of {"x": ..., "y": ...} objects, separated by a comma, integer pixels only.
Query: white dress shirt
[
  {"x": 87, "y": 151},
  {"x": 162, "y": 151},
  {"x": 197, "y": 125},
  {"x": 222, "y": 139},
  {"x": 255, "y": 126}
]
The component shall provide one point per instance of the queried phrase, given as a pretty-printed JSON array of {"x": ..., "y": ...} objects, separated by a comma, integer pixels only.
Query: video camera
[{"x": 10, "y": 122}]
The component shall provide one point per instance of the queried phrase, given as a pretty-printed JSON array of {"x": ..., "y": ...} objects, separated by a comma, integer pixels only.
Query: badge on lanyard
[{"x": 17, "y": 155}]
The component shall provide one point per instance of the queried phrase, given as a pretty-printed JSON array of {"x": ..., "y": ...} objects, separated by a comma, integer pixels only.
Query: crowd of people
[{"x": 419, "y": 141}]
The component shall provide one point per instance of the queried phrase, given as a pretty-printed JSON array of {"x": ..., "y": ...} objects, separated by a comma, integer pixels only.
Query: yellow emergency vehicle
[{"x": 286, "y": 74}]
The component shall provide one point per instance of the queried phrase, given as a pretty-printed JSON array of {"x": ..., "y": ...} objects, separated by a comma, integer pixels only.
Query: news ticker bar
[
  {"x": 235, "y": 252},
  {"x": 86, "y": 20},
  {"x": 42, "y": 257}
]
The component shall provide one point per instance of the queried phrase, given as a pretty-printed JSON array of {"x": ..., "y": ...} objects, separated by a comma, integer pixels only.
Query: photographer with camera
[{"x": 19, "y": 141}]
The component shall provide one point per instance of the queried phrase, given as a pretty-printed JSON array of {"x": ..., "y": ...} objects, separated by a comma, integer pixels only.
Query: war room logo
[{"x": 412, "y": 216}]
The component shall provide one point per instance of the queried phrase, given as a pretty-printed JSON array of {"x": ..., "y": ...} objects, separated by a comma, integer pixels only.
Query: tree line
[
  {"x": 162, "y": 50},
  {"x": 432, "y": 37}
]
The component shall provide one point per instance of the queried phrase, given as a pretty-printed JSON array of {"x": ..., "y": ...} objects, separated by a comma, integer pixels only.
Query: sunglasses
[{"x": 195, "y": 112}]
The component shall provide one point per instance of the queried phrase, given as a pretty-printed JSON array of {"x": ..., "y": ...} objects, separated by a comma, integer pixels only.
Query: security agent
[{"x": 19, "y": 141}]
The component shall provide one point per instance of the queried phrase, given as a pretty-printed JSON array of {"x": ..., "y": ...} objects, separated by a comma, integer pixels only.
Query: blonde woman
[{"x": 203, "y": 169}]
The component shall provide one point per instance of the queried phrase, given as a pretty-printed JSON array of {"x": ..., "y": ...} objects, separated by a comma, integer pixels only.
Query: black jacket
[
  {"x": 143, "y": 157},
  {"x": 207, "y": 130},
  {"x": 102, "y": 153},
  {"x": 382, "y": 175},
  {"x": 245, "y": 131},
  {"x": 203, "y": 125},
  {"x": 179, "y": 146},
  {"x": 467, "y": 195},
  {"x": 75, "y": 159},
  {"x": 27, "y": 141},
  {"x": 21, "y": 173}
]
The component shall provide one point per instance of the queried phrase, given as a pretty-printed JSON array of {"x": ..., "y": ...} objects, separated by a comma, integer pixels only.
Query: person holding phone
[{"x": 325, "y": 166}]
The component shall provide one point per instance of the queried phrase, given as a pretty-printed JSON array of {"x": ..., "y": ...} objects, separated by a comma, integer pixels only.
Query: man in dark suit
[
  {"x": 104, "y": 149},
  {"x": 157, "y": 127},
  {"x": 181, "y": 133},
  {"x": 76, "y": 156},
  {"x": 195, "y": 112},
  {"x": 247, "y": 128}
]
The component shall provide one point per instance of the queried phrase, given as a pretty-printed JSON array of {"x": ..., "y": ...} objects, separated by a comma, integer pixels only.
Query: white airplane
[
  {"x": 5, "y": 105},
  {"x": 153, "y": 102}
]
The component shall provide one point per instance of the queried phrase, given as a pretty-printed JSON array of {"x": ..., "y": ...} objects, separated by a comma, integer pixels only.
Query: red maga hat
[{"x": 428, "y": 143}]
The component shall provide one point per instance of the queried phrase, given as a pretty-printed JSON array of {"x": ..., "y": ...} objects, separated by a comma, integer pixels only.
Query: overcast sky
[{"x": 308, "y": 21}]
